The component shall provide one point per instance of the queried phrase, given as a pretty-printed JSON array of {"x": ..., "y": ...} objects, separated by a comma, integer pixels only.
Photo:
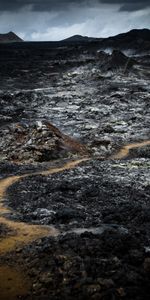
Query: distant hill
[
  {"x": 80, "y": 38},
  {"x": 134, "y": 39},
  {"x": 10, "y": 37}
]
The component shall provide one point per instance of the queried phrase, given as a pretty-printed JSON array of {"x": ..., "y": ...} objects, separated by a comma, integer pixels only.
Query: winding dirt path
[
  {"x": 22, "y": 233},
  {"x": 124, "y": 151},
  {"x": 13, "y": 282}
]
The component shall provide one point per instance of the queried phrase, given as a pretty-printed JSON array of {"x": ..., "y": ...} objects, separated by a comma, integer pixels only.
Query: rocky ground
[{"x": 89, "y": 104}]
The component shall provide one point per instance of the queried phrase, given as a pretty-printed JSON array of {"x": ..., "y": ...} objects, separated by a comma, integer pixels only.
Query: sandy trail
[
  {"x": 22, "y": 233},
  {"x": 13, "y": 282},
  {"x": 124, "y": 151}
]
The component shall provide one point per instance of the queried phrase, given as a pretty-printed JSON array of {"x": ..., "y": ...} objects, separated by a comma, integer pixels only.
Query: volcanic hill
[{"x": 10, "y": 37}]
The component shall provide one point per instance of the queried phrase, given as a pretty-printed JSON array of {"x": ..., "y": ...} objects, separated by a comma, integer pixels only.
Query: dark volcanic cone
[{"x": 10, "y": 37}]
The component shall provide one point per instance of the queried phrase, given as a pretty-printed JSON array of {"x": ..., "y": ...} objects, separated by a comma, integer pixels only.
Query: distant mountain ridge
[
  {"x": 10, "y": 37},
  {"x": 81, "y": 38},
  {"x": 137, "y": 39},
  {"x": 133, "y": 39}
]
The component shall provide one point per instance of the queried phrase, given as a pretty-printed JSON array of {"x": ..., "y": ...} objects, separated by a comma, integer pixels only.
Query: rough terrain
[{"x": 75, "y": 173}]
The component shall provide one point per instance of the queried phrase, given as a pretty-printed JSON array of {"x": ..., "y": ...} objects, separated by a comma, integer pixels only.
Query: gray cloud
[
  {"x": 50, "y": 5},
  {"x": 134, "y": 6},
  {"x": 128, "y": 5},
  {"x": 58, "y": 19},
  {"x": 38, "y": 5}
]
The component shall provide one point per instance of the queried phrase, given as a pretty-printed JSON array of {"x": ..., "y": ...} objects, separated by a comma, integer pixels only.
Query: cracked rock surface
[{"x": 60, "y": 105}]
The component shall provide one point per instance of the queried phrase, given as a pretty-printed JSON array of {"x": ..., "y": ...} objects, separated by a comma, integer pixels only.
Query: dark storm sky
[{"x": 58, "y": 19}]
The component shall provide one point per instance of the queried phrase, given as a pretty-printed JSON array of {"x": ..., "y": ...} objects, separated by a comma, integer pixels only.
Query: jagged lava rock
[
  {"x": 117, "y": 60},
  {"x": 37, "y": 142}
]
